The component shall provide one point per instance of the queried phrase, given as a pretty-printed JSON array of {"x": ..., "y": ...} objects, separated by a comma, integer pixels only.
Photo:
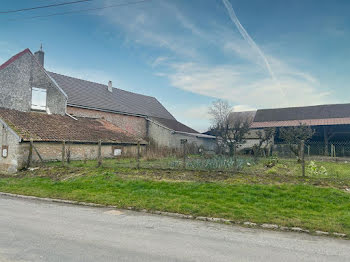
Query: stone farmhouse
[{"x": 49, "y": 109}]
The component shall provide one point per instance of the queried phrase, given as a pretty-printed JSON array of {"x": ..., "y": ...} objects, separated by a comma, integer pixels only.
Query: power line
[
  {"x": 43, "y": 6},
  {"x": 79, "y": 11}
]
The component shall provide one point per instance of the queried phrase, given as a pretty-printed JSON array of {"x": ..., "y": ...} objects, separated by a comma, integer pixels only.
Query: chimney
[
  {"x": 110, "y": 86},
  {"x": 40, "y": 55}
]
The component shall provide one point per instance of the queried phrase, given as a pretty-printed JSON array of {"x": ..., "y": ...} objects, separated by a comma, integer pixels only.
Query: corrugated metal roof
[
  {"x": 88, "y": 94},
  {"x": 310, "y": 122},
  {"x": 303, "y": 113}
]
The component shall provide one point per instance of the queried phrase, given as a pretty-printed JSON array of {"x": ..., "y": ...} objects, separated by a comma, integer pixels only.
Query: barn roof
[
  {"x": 334, "y": 114},
  {"x": 50, "y": 128},
  {"x": 82, "y": 93}
]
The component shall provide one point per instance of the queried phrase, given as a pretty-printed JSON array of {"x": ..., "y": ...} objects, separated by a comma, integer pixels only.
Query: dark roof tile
[
  {"x": 303, "y": 113},
  {"x": 88, "y": 94},
  {"x": 174, "y": 125}
]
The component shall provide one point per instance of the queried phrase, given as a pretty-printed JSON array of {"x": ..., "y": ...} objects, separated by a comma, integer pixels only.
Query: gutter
[
  {"x": 87, "y": 142},
  {"x": 196, "y": 135},
  {"x": 106, "y": 110},
  {"x": 71, "y": 116}
]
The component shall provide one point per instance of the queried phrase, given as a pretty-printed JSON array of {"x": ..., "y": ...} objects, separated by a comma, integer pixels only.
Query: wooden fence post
[
  {"x": 308, "y": 150},
  {"x": 332, "y": 150},
  {"x": 63, "y": 152},
  {"x": 68, "y": 153},
  {"x": 37, "y": 152},
  {"x": 30, "y": 155},
  {"x": 302, "y": 156},
  {"x": 183, "y": 142},
  {"x": 99, "y": 153},
  {"x": 138, "y": 154}
]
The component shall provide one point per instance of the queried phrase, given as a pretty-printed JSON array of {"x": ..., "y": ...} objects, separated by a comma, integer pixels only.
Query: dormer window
[{"x": 38, "y": 99}]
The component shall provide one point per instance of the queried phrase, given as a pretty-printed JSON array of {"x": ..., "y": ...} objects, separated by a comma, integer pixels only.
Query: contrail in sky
[{"x": 247, "y": 37}]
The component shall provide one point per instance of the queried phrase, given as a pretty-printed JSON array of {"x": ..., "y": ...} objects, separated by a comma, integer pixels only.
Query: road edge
[{"x": 182, "y": 216}]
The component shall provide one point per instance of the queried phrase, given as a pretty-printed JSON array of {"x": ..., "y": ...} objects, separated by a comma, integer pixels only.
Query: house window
[
  {"x": 38, "y": 99},
  {"x": 117, "y": 151}
]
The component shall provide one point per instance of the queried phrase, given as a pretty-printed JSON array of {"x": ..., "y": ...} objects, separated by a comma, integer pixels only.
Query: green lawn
[{"x": 285, "y": 199}]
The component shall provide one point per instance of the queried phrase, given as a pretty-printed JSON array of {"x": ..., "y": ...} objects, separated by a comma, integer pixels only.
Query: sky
[{"x": 254, "y": 54}]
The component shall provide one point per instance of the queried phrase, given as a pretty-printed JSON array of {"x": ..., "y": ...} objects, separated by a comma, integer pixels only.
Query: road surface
[{"x": 33, "y": 230}]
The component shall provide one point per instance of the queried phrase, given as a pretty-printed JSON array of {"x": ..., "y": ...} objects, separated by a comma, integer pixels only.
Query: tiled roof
[
  {"x": 303, "y": 113},
  {"x": 44, "y": 127},
  {"x": 310, "y": 122},
  {"x": 82, "y": 93},
  {"x": 175, "y": 125}
]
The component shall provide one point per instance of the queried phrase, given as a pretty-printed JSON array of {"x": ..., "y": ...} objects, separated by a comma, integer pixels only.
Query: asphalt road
[{"x": 41, "y": 231}]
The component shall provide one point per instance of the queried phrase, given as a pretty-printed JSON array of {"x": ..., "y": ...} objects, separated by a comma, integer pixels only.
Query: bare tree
[
  {"x": 264, "y": 137},
  {"x": 229, "y": 128},
  {"x": 294, "y": 135}
]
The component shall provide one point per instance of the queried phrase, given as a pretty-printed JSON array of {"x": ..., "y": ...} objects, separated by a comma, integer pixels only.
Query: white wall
[{"x": 165, "y": 137}]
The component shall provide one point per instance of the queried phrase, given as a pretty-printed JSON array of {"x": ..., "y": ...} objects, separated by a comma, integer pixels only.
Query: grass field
[{"x": 255, "y": 194}]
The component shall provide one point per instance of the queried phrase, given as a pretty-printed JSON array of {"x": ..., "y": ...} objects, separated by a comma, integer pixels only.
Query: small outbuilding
[{"x": 54, "y": 136}]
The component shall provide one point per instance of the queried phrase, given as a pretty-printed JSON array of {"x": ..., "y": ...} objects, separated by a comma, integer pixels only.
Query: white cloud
[
  {"x": 241, "y": 77},
  {"x": 159, "y": 60},
  {"x": 241, "y": 108},
  {"x": 247, "y": 37},
  {"x": 247, "y": 85},
  {"x": 196, "y": 117},
  {"x": 149, "y": 28}
]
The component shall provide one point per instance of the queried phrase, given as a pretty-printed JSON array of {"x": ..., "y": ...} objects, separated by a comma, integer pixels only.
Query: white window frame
[
  {"x": 117, "y": 151},
  {"x": 40, "y": 107}
]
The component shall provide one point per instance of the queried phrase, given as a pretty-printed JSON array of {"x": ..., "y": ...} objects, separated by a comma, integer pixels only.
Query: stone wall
[
  {"x": 165, "y": 137},
  {"x": 133, "y": 124},
  {"x": 17, "y": 80},
  {"x": 52, "y": 151},
  {"x": 12, "y": 162}
]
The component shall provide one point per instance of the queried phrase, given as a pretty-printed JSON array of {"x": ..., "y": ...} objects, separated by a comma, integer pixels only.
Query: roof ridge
[
  {"x": 292, "y": 107},
  {"x": 15, "y": 57},
  {"x": 100, "y": 84}
]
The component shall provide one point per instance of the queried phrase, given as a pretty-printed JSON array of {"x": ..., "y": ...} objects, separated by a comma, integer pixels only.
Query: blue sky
[{"x": 188, "y": 53}]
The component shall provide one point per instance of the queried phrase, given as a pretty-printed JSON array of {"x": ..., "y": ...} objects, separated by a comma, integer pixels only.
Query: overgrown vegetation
[
  {"x": 269, "y": 191},
  {"x": 214, "y": 163},
  {"x": 229, "y": 128},
  {"x": 294, "y": 135},
  {"x": 260, "y": 199}
]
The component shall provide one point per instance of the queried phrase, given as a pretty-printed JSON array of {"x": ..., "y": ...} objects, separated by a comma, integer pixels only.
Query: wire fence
[
  {"x": 192, "y": 158},
  {"x": 333, "y": 149}
]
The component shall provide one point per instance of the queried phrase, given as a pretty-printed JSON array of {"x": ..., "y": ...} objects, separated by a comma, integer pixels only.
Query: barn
[
  {"x": 49, "y": 109},
  {"x": 331, "y": 124}
]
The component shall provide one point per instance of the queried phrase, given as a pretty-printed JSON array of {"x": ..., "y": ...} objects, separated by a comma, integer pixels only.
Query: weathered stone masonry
[
  {"x": 17, "y": 80},
  {"x": 133, "y": 124}
]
